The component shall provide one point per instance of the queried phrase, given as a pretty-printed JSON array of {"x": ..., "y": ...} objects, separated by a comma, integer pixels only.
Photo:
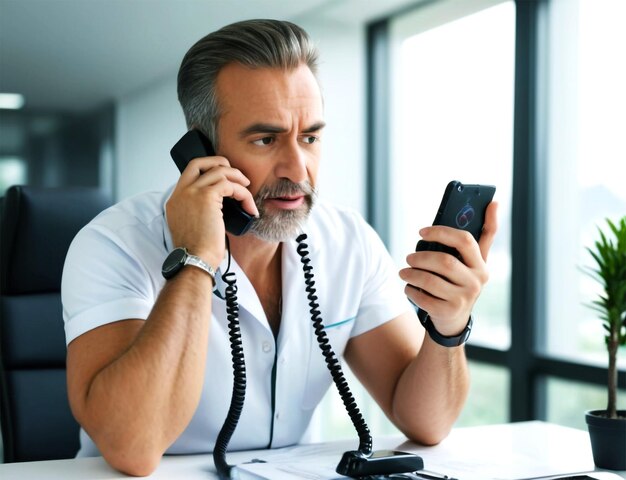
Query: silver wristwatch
[{"x": 178, "y": 258}]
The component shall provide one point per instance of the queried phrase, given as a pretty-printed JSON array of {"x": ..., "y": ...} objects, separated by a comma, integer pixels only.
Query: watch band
[
  {"x": 443, "y": 340},
  {"x": 198, "y": 262},
  {"x": 180, "y": 257}
]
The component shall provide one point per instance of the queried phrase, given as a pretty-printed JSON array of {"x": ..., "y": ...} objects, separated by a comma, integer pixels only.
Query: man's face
[{"x": 270, "y": 129}]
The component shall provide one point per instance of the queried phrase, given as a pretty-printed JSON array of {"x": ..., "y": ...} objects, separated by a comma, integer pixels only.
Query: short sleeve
[
  {"x": 383, "y": 297},
  {"x": 102, "y": 283}
]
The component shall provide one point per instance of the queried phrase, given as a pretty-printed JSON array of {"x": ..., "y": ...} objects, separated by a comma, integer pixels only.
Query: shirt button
[
  {"x": 277, "y": 415},
  {"x": 266, "y": 346}
]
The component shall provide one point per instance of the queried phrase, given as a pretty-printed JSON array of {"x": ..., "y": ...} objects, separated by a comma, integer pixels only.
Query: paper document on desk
[
  {"x": 500, "y": 452},
  {"x": 308, "y": 462}
]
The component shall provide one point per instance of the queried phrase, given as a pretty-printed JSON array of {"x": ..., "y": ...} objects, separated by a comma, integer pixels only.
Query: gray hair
[{"x": 251, "y": 43}]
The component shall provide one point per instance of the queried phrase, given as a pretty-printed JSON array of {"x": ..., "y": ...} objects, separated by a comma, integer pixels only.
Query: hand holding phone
[
  {"x": 448, "y": 290},
  {"x": 200, "y": 208},
  {"x": 194, "y": 145}
]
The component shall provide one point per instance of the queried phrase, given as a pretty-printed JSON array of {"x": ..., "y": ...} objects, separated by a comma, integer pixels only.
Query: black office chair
[{"x": 36, "y": 228}]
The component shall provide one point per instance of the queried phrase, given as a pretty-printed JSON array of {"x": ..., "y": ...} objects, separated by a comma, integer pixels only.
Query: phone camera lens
[{"x": 460, "y": 188}]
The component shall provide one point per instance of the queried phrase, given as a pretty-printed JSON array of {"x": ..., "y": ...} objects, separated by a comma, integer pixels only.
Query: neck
[
  {"x": 254, "y": 255},
  {"x": 261, "y": 263}
]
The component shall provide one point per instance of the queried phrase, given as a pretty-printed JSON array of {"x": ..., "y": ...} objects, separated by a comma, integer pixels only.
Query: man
[{"x": 148, "y": 359}]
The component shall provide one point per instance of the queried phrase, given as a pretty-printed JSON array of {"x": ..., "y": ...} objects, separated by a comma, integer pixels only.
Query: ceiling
[{"x": 74, "y": 55}]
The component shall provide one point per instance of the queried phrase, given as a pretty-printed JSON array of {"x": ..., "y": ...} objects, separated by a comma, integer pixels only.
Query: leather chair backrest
[{"x": 37, "y": 226}]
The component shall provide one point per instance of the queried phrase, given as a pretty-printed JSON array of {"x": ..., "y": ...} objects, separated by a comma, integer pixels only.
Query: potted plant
[{"x": 607, "y": 428}]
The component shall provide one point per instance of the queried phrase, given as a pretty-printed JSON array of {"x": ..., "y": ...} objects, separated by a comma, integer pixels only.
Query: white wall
[
  {"x": 149, "y": 121},
  {"x": 342, "y": 75},
  {"x": 147, "y": 124}
]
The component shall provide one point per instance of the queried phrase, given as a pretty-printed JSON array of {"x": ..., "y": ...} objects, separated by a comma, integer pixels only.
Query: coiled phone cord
[
  {"x": 334, "y": 366},
  {"x": 239, "y": 365},
  {"x": 239, "y": 374}
]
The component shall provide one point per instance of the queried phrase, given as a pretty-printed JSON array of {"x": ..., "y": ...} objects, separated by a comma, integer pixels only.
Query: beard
[{"x": 282, "y": 225}]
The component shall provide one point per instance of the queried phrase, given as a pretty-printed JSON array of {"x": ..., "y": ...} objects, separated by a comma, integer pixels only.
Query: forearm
[
  {"x": 141, "y": 402},
  {"x": 431, "y": 392}
]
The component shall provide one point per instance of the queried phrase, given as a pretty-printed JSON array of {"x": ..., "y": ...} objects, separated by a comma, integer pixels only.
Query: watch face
[{"x": 174, "y": 262}]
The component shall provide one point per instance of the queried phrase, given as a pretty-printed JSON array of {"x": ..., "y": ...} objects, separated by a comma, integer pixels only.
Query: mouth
[{"x": 287, "y": 202}]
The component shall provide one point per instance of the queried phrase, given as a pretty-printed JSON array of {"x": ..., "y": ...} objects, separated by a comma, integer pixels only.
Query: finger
[
  {"x": 463, "y": 241},
  {"x": 423, "y": 299},
  {"x": 226, "y": 188},
  {"x": 430, "y": 283},
  {"x": 218, "y": 173},
  {"x": 419, "y": 297},
  {"x": 442, "y": 264},
  {"x": 490, "y": 228},
  {"x": 198, "y": 166}
]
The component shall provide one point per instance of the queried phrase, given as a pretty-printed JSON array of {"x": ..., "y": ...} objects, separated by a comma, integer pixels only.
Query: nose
[{"x": 292, "y": 163}]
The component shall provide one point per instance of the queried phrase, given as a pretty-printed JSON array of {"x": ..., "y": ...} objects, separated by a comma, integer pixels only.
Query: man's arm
[
  {"x": 420, "y": 385},
  {"x": 134, "y": 385}
]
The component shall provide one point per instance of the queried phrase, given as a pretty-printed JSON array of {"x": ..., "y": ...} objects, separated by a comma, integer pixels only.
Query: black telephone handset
[{"x": 193, "y": 145}]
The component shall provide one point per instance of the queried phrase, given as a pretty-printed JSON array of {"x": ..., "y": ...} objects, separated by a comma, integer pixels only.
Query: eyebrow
[{"x": 274, "y": 129}]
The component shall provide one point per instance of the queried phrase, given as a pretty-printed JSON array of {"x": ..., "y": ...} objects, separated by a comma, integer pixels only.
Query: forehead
[{"x": 264, "y": 94}]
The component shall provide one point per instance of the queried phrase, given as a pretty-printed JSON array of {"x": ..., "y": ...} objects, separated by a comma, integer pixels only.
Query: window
[
  {"x": 488, "y": 383},
  {"x": 452, "y": 119},
  {"x": 585, "y": 167},
  {"x": 568, "y": 400},
  {"x": 527, "y": 95}
]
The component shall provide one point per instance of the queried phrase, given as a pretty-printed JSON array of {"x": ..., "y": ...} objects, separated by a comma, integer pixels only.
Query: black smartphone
[
  {"x": 193, "y": 145},
  {"x": 462, "y": 207}
]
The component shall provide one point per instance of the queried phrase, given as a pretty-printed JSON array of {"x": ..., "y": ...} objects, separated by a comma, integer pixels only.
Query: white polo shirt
[{"x": 113, "y": 272}]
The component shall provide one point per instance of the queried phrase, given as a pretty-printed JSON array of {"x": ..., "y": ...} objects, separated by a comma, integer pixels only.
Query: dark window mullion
[
  {"x": 575, "y": 371},
  {"x": 378, "y": 100},
  {"x": 524, "y": 311}
]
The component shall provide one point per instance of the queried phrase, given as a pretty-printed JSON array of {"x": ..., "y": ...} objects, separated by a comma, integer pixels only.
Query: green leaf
[{"x": 609, "y": 255}]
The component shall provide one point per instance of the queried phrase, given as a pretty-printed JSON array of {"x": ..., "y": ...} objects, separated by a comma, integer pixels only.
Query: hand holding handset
[
  {"x": 462, "y": 207},
  {"x": 194, "y": 145}
]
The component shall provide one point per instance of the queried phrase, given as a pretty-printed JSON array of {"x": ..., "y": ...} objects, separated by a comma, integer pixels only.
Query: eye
[
  {"x": 309, "y": 139},
  {"x": 264, "y": 141}
]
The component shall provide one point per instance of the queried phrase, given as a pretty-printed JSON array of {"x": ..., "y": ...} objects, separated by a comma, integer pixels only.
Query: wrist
[
  {"x": 438, "y": 337},
  {"x": 180, "y": 258},
  {"x": 207, "y": 255}
]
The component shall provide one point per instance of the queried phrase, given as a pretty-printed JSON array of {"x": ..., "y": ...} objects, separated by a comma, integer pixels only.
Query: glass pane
[
  {"x": 452, "y": 118},
  {"x": 586, "y": 165},
  {"x": 488, "y": 400},
  {"x": 568, "y": 401}
]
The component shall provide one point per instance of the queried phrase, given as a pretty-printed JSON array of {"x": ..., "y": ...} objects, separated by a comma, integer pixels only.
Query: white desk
[{"x": 511, "y": 451}]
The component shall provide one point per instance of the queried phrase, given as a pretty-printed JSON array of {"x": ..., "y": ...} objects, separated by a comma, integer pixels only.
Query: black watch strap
[{"x": 443, "y": 340}]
